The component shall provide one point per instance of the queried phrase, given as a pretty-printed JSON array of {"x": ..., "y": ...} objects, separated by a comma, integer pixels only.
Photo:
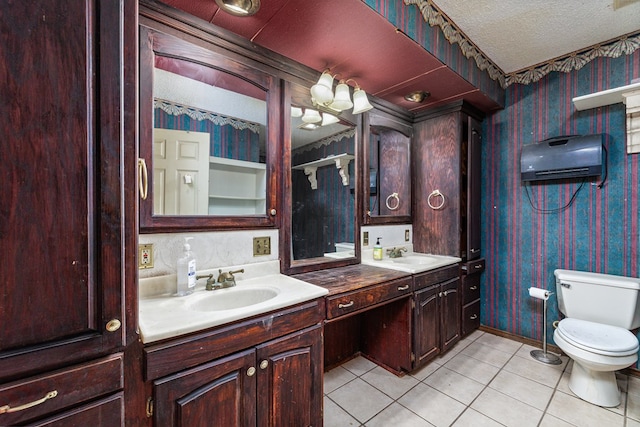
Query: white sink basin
[
  {"x": 412, "y": 262},
  {"x": 416, "y": 259},
  {"x": 232, "y": 298}
]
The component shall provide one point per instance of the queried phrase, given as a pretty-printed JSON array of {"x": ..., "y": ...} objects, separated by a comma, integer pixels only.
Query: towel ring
[
  {"x": 435, "y": 193},
  {"x": 393, "y": 196}
]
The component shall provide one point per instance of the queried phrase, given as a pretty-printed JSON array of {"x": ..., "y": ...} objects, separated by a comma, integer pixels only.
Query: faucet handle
[{"x": 210, "y": 280}]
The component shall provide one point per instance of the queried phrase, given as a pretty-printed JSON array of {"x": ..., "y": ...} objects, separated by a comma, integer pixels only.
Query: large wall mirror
[
  {"x": 387, "y": 155},
  {"x": 207, "y": 126},
  {"x": 323, "y": 195}
]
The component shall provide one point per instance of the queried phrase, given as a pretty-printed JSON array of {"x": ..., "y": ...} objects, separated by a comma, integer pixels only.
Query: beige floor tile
[
  {"x": 471, "y": 418},
  {"x": 500, "y": 343},
  {"x": 551, "y": 421},
  {"x": 506, "y": 410},
  {"x": 633, "y": 405},
  {"x": 360, "y": 399},
  {"x": 487, "y": 354},
  {"x": 388, "y": 383},
  {"x": 632, "y": 423},
  {"x": 398, "y": 416},
  {"x": 335, "y": 416},
  {"x": 525, "y": 352},
  {"x": 563, "y": 385},
  {"x": 435, "y": 407},
  {"x": 523, "y": 389},
  {"x": 633, "y": 387},
  {"x": 580, "y": 413},
  {"x": 426, "y": 370},
  {"x": 472, "y": 368},
  {"x": 534, "y": 370},
  {"x": 335, "y": 378},
  {"x": 454, "y": 385},
  {"x": 359, "y": 365},
  {"x": 451, "y": 353}
]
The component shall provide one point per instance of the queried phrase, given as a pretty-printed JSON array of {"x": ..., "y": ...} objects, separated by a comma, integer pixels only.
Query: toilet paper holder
[{"x": 542, "y": 355}]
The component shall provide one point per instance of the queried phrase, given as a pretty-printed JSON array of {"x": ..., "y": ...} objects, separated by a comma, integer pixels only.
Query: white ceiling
[{"x": 516, "y": 34}]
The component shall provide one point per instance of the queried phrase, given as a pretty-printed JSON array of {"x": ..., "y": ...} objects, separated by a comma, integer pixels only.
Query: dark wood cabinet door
[
  {"x": 474, "y": 187},
  {"x": 61, "y": 220},
  {"x": 450, "y": 308},
  {"x": 426, "y": 324},
  {"x": 222, "y": 392},
  {"x": 290, "y": 380},
  {"x": 107, "y": 411}
]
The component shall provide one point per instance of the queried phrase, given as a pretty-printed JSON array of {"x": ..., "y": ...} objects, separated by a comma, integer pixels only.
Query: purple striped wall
[{"x": 598, "y": 233}]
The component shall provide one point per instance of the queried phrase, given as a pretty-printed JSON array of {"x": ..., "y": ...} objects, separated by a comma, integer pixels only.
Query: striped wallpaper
[{"x": 598, "y": 233}]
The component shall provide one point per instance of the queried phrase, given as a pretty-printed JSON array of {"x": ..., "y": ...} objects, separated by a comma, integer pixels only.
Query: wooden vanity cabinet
[
  {"x": 436, "y": 313},
  {"x": 471, "y": 273},
  {"x": 446, "y": 161},
  {"x": 62, "y": 232},
  {"x": 277, "y": 382}
]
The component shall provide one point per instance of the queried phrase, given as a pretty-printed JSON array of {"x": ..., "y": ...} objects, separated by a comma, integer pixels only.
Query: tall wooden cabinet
[
  {"x": 61, "y": 212},
  {"x": 447, "y": 189}
]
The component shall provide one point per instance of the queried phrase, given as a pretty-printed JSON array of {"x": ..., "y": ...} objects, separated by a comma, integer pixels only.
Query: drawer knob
[
  {"x": 403, "y": 288},
  {"x": 113, "y": 325},
  {"x": 478, "y": 267},
  {"x": 473, "y": 317},
  {"x": 264, "y": 364},
  {"x": 8, "y": 409},
  {"x": 349, "y": 304},
  {"x": 473, "y": 288},
  {"x": 251, "y": 371}
]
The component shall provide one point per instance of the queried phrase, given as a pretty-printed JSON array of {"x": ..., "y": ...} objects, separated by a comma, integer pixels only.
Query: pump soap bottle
[
  {"x": 377, "y": 250},
  {"x": 186, "y": 270}
]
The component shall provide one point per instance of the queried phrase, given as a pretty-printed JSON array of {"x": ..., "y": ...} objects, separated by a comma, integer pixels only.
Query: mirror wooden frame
[
  {"x": 287, "y": 264},
  {"x": 380, "y": 119},
  {"x": 154, "y": 43}
]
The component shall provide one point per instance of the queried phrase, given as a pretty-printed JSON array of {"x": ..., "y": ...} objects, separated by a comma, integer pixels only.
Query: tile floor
[{"x": 485, "y": 380}]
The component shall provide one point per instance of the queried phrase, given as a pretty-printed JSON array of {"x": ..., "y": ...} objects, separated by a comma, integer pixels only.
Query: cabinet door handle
[
  {"x": 349, "y": 304},
  {"x": 473, "y": 317},
  {"x": 264, "y": 364},
  {"x": 251, "y": 371},
  {"x": 473, "y": 288},
  {"x": 8, "y": 409},
  {"x": 473, "y": 251},
  {"x": 143, "y": 178},
  {"x": 403, "y": 288},
  {"x": 478, "y": 267}
]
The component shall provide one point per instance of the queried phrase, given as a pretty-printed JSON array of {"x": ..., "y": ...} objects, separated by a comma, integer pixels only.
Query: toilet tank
[{"x": 602, "y": 298}]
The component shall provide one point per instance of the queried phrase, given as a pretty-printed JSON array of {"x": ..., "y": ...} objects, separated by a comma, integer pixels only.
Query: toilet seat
[{"x": 598, "y": 338}]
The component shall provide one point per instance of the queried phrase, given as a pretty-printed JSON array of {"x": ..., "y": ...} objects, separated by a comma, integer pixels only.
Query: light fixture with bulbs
[
  {"x": 313, "y": 119},
  {"x": 239, "y": 7},
  {"x": 322, "y": 95}
]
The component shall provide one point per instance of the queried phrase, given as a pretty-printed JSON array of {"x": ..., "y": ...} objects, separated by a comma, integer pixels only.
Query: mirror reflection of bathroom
[
  {"x": 323, "y": 198},
  {"x": 389, "y": 172},
  {"x": 209, "y": 141}
]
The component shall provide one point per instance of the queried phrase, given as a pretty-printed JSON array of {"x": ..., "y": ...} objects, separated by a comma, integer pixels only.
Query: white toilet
[{"x": 600, "y": 310}]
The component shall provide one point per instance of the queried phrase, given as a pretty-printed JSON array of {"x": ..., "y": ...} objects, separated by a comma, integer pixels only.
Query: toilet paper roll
[{"x": 539, "y": 293}]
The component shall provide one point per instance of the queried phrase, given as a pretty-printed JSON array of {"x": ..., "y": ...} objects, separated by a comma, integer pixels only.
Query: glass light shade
[
  {"x": 360, "y": 102},
  {"x": 311, "y": 116},
  {"x": 329, "y": 119},
  {"x": 296, "y": 112},
  {"x": 322, "y": 91},
  {"x": 342, "y": 99}
]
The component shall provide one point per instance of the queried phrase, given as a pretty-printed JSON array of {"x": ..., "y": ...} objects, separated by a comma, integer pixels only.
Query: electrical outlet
[
  {"x": 145, "y": 256},
  {"x": 261, "y": 246},
  {"x": 406, "y": 235},
  {"x": 365, "y": 238}
]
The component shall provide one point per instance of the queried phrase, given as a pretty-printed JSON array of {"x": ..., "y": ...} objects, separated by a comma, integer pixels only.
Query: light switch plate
[
  {"x": 365, "y": 238},
  {"x": 406, "y": 235},
  {"x": 261, "y": 246},
  {"x": 145, "y": 256}
]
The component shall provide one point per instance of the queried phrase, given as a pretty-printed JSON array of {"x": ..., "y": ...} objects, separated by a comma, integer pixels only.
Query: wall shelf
[
  {"x": 341, "y": 162},
  {"x": 605, "y": 97}
]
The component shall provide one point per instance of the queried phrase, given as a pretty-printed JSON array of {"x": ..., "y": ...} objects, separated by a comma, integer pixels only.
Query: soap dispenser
[
  {"x": 186, "y": 270},
  {"x": 377, "y": 250}
]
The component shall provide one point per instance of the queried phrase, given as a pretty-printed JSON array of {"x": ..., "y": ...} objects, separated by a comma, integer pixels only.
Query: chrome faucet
[
  {"x": 396, "y": 252},
  {"x": 226, "y": 280},
  {"x": 211, "y": 282}
]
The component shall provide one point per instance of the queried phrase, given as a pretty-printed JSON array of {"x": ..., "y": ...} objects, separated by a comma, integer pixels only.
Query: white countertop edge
[{"x": 387, "y": 262}]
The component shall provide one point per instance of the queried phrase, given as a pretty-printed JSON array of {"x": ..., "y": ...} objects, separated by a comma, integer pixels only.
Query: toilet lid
[{"x": 598, "y": 338}]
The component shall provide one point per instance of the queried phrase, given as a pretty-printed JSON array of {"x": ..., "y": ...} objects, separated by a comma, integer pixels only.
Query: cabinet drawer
[
  {"x": 66, "y": 387},
  {"x": 342, "y": 304},
  {"x": 475, "y": 266},
  {"x": 439, "y": 275},
  {"x": 470, "y": 288},
  {"x": 470, "y": 317}
]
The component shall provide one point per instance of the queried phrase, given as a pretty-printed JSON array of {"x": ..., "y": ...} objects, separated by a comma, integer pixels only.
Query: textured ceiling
[{"x": 521, "y": 33}]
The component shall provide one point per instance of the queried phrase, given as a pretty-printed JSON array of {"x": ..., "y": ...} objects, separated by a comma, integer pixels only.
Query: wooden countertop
[{"x": 350, "y": 278}]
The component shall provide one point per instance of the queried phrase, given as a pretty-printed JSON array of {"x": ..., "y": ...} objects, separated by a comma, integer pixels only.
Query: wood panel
[
  {"x": 362, "y": 299},
  {"x": 341, "y": 340},
  {"x": 108, "y": 411}
]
